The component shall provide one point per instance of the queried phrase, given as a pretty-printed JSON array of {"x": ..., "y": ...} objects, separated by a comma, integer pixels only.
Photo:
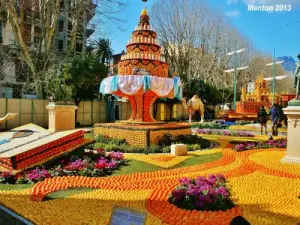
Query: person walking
[
  {"x": 283, "y": 117},
  {"x": 262, "y": 119},
  {"x": 275, "y": 117}
]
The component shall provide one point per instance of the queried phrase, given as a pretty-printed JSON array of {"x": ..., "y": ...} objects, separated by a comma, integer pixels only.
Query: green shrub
[
  {"x": 111, "y": 147},
  {"x": 118, "y": 141},
  {"x": 166, "y": 149},
  {"x": 154, "y": 149},
  {"x": 193, "y": 147},
  {"x": 210, "y": 125},
  {"x": 193, "y": 143},
  {"x": 166, "y": 140},
  {"x": 99, "y": 145},
  {"x": 243, "y": 122},
  {"x": 103, "y": 139}
]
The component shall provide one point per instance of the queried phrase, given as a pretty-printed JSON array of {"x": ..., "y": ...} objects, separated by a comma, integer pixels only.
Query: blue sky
[{"x": 265, "y": 29}]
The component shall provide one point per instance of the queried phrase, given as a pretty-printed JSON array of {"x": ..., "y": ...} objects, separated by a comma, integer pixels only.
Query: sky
[{"x": 266, "y": 30}]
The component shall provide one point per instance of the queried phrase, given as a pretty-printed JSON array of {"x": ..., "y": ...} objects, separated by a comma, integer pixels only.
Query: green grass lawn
[
  {"x": 11, "y": 187},
  {"x": 67, "y": 192}
]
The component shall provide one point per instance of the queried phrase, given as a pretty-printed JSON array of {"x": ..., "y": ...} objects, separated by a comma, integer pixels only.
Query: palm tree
[{"x": 102, "y": 50}]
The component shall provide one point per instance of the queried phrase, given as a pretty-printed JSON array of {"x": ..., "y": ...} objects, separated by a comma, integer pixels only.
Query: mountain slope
[{"x": 289, "y": 63}]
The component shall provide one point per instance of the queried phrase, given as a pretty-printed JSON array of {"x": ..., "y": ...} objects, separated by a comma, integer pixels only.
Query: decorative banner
[
  {"x": 125, "y": 216},
  {"x": 161, "y": 86},
  {"x": 131, "y": 84}
]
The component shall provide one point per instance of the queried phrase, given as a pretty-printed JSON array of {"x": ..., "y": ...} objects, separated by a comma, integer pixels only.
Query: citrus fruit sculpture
[{"x": 142, "y": 74}]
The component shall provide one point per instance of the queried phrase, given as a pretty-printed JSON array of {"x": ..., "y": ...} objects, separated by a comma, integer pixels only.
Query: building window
[
  {"x": 60, "y": 45},
  {"x": 62, "y": 5},
  {"x": 78, "y": 47},
  {"x": 60, "y": 26},
  {"x": 1, "y": 39}
]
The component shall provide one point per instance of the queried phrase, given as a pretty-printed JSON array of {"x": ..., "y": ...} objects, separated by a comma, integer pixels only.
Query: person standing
[
  {"x": 275, "y": 117},
  {"x": 262, "y": 119}
]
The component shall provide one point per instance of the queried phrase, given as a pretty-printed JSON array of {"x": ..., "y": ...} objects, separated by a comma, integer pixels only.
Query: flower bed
[
  {"x": 225, "y": 133},
  {"x": 202, "y": 194},
  {"x": 210, "y": 125},
  {"x": 91, "y": 164},
  {"x": 280, "y": 143}
]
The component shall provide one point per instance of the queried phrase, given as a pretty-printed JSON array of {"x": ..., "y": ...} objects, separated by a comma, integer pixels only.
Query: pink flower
[{"x": 116, "y": 155}]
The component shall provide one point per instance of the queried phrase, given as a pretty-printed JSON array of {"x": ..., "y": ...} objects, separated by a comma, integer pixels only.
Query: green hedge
[{"x": 193, "y": 143}]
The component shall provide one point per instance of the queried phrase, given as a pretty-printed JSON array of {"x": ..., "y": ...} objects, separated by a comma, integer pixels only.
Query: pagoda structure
[
  {"x": 142, "y": 74},
  {"x": 142, "y": 78},
  {"x": 143, "y": 51},
  {"x": 253, "y": 99}
]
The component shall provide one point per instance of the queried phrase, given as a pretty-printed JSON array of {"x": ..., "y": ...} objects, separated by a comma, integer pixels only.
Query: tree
[
  {"x": 102, "y": 50},
  {"x": 34, "y": 24},
  {"x": 196, "y": 38},
  {"x": 83, "y": 74},
  {"x": 207, "y": 92}
]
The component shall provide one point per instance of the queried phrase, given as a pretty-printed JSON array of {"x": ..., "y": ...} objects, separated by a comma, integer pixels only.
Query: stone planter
[
  {"x": 178, "y": 150},
  {"x": 61, "y": 117},
  {"x": 293, "y": 142}
]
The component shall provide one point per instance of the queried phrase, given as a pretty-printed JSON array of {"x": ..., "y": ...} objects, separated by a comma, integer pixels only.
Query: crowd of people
[{"x": 276, "y": 115}]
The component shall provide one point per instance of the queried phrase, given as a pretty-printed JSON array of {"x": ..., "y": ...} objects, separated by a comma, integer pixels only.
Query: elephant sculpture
[{"x": 193, "y": 105}]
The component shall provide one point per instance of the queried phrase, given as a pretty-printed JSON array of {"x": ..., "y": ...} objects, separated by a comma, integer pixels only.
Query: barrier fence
[{"x": 88, "y": 113}]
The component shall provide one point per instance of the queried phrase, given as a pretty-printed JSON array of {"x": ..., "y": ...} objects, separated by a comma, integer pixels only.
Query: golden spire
[{"x": 144, "y": 12}]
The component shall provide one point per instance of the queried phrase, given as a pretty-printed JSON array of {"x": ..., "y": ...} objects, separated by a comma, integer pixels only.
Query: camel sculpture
[
  {"x": 193, "y": 105},
  {"x": 8, "y": 116}
]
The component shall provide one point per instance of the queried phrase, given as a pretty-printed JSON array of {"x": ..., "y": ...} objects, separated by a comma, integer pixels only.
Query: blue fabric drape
[
  {"x": 101, "y": 88},
  {"x": 147, "y": 82},
  {"x": 177, "y": 88},
  {"x": 114, "y": 83}
]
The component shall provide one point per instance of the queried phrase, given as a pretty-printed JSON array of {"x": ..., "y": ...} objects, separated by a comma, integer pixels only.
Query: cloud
[{"x": 233, "y": 13}]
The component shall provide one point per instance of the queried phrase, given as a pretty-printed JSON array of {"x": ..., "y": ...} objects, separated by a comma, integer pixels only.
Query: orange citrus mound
[
  {"x": 142, "y": 126},
  {"x": 264, "y": 194},
  {"x": 162, "y": 158}
]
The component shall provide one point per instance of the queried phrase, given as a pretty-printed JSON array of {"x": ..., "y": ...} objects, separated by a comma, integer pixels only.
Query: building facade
[{"x": 10, "y": 68}]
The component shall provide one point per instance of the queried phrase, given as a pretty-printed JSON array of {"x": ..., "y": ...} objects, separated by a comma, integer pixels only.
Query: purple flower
[
  {"x": 199, "y": 204},
  {"x": 116, "y": 155},
  {"x": 193, "y": 190},
  {"x": 185, "y": 181},
  {"x": 223, "y": 191},
  {"x": 178, "y": 195},
  {"x": 37, "y": 174},
  {"x": 112, "y": 165},
  {"x": 101, "y": 164}
]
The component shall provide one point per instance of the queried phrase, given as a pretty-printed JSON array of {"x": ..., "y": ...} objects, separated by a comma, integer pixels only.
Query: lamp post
[
  {"x": 235, "y": 72},
  {"x": 274, "y": 73}
]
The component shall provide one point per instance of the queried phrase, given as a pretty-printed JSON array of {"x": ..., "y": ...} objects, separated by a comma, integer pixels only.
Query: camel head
[{"x": 183, "y": 102}]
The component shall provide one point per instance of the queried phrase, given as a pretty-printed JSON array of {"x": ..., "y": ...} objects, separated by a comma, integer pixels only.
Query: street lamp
[
  {"x": 235, "y": 72},
  {"x": 274, "y": 73}
]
